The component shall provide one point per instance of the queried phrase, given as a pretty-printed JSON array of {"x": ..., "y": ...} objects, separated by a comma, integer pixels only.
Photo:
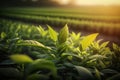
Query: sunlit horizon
[{"x": 89, "y": 2}]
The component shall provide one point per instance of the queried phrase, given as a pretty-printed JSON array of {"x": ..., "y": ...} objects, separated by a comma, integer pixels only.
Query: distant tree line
[{"x": 19, "y": 3}]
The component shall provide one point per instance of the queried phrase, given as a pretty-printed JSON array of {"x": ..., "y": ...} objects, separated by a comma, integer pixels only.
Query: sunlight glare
[
  {"x": 64, "y": 2},
  {"x": 89, "y": 2},
  {"x": 97, "y": 2}
]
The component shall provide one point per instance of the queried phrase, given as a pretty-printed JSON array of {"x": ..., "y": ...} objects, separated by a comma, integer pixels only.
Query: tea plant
[{"x": 44, "y": 54}]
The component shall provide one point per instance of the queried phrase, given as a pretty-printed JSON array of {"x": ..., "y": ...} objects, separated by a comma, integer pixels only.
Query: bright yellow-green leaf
[
  {"x": 63, "y": 35},
  {"x": 88, "y": 40},
  {"x": 104, "y": 44},
  {"x": 3, "y": 35},
  {"x": 53, "y": 33},
  {"x": 42, "y": 31},
  {"x": 21, "y": 58}
]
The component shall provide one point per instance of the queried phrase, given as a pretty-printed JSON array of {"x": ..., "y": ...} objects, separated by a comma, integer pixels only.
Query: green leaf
[
  {"x": 75, "y": 36},
  {"x": 104, "y": 44},
  {"x": 3, "y": 35},
  {"x": 63, "y": 35},
  {"x": 70, "y": 54},
  {"x": 11, "y": 73},
  {"x": 41, "y": 64},
  {"x": 109, "y": 71},
  {"x": 32, "y": 43},
  {"x": 37, "y": 77},
  {"x": 115, "y": 77},
  {"x": 115, "y": 47},
  {"x": 21, "y": 59},
  {"x": 88, "y": 40},
  {"x": 102, "y": 64},
  {"x": 98, "y": 57},
  {"x": 84, "y": 73},
  {"x": 42, "y": 31},
  {"x": 97, "y": 74},
  {"x": 53, "y": 33}
]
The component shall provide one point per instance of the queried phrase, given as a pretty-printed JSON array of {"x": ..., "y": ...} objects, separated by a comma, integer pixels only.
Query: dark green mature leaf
[
  {"x": 88, "y": 40},
  {"x": 10, "y": 73},
  {"x": 109, "y": 71},
  {"x": 115, "y": 77},
  {"x": 84, "y": 73},
  {"x": 37, "y": 77},
  {"x": 53, "y": 33},
  {"x": 41, "y": 64},
  {"x": 63, "y": 35},
  {"x": 21, "y": 59},
  {"x": 97, "y": 74}
]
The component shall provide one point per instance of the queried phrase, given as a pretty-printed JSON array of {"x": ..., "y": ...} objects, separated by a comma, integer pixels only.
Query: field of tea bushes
[
  {"x": 31, "y": 49},
  {"x": 76, "y": 19},
  {"x": 29, "y": 52}
]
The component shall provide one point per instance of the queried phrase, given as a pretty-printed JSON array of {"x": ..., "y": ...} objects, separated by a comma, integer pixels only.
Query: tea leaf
[
  {"x": 115, "y": 46},
  {"x": 3, "y": 35},
  {"x": 84, "y": 73},
  {"x": 115, "y": 77},
  {"x": 88, "y": 40},
  {"x": 32, "y": 43},
  {"x": 37, "y": 77},
  {"x": 104, "y": 44},
  {"x": 97, "y": 74},
  {"x": 109, "y": 71},
  {"x": 99, "y": 57},
  {"x": 42, "y": 31},
  {"x": 53, "y": 33},
  {"x": 21, "y": 59},
  {"x": 42, "y": 64},
  {"x": 10, "y": 73},
  {"x": 62, "y": 37}
]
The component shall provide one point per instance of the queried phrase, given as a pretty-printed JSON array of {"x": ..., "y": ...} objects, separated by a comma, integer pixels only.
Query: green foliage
[{"x": 49, "y": 55}]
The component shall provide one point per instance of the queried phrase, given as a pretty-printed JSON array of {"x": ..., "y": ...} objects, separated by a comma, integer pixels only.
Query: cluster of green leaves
[{"x": 35, "y": 53}]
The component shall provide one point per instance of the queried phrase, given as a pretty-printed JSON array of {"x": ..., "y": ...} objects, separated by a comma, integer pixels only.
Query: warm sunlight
[
  {"x": 97, "y": 2},
  {"x": 64, "y": 2},
  {"x": 90, "y": 2}
]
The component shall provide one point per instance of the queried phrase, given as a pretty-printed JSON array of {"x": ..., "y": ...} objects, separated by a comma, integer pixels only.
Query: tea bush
[{"x": 30, "y": 52}]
